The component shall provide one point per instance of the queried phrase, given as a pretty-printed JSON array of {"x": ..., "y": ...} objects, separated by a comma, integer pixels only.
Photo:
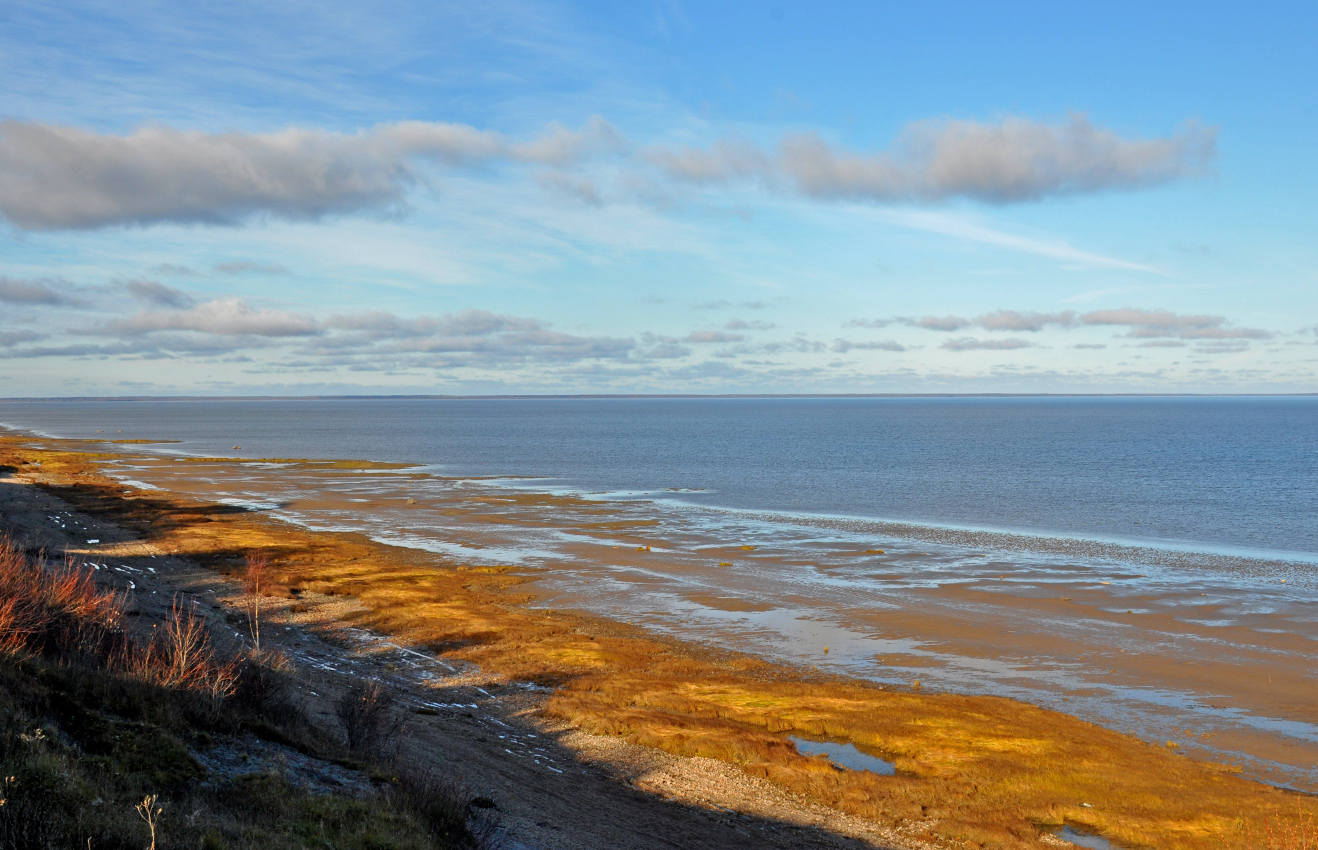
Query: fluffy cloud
[
  {"x": 562, "y": 146},
  {"x": 938, "y": 323},
  {"x": 58, "y": 177},
  {"x": 1015, "y": 159}
]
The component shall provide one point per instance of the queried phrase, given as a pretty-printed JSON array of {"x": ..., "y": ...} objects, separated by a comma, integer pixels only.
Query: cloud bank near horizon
[{"x": 1139, "y": 324}]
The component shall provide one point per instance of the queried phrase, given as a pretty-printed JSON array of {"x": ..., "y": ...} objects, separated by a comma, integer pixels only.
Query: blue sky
[{"x": 577, "y": 198}]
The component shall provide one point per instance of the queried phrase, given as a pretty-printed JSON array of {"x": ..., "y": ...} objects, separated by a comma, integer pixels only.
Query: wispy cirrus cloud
[{"x": 971, "y": 230}]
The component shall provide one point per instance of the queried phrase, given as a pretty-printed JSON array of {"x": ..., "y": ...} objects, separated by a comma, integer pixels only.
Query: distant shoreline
[{"x": 496, "y": 396}]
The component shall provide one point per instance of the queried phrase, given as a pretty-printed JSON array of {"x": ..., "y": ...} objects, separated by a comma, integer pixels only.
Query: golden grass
[{"x": 984, "y": 771}]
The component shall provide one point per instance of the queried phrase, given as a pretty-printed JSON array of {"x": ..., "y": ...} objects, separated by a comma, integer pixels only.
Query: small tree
[{"x": 254, "y": 586}]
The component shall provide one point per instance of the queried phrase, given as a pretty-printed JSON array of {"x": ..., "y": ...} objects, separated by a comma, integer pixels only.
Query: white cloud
[
  {"x": 1015, "y": 159},
  {"x": 58, "y": 177},
  {"x": 938, "y": 323}
]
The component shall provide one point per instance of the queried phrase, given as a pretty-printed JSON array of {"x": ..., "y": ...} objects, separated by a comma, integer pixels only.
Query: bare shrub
[
  {"x": 55, "y": 610},
  {"x": 179, "y": 655},
  {"x": 366, "y": 711}
]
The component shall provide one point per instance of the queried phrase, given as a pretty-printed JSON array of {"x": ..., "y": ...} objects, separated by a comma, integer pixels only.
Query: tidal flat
[{"x": 967, "y": 767}]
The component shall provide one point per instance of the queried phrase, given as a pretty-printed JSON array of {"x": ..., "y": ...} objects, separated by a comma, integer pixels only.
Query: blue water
[{"x": 1236, "y": 474}]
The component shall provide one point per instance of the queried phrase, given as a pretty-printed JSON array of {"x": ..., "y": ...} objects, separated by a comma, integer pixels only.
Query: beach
[{"x": 967, "y": 768}]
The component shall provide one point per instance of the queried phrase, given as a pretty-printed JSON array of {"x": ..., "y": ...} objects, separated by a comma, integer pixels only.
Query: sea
[
  {"x": 1181, "y": 531},
  {"x": 1224, "y": 475}
]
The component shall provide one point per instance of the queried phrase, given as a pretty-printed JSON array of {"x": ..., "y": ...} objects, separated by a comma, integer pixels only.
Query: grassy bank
[
  {"x": 105, "y": 731},
  {"x": 971, "y": 771}
]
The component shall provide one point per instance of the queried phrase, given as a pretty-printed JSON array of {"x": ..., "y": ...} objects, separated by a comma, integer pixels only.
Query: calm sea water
[{"x": 1234, "y": 475}]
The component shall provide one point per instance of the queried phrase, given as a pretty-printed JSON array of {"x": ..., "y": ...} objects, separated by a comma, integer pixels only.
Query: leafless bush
[
  {"x": 179, "y": 655},
  {"x": 369, "y": 721}
]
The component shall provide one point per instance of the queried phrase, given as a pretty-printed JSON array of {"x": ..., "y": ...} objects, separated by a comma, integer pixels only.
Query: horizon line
[{"x": 583, "y": 396}]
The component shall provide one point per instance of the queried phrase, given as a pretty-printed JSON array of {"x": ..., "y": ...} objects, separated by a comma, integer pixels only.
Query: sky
[{"x": 287, "y": 198}]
